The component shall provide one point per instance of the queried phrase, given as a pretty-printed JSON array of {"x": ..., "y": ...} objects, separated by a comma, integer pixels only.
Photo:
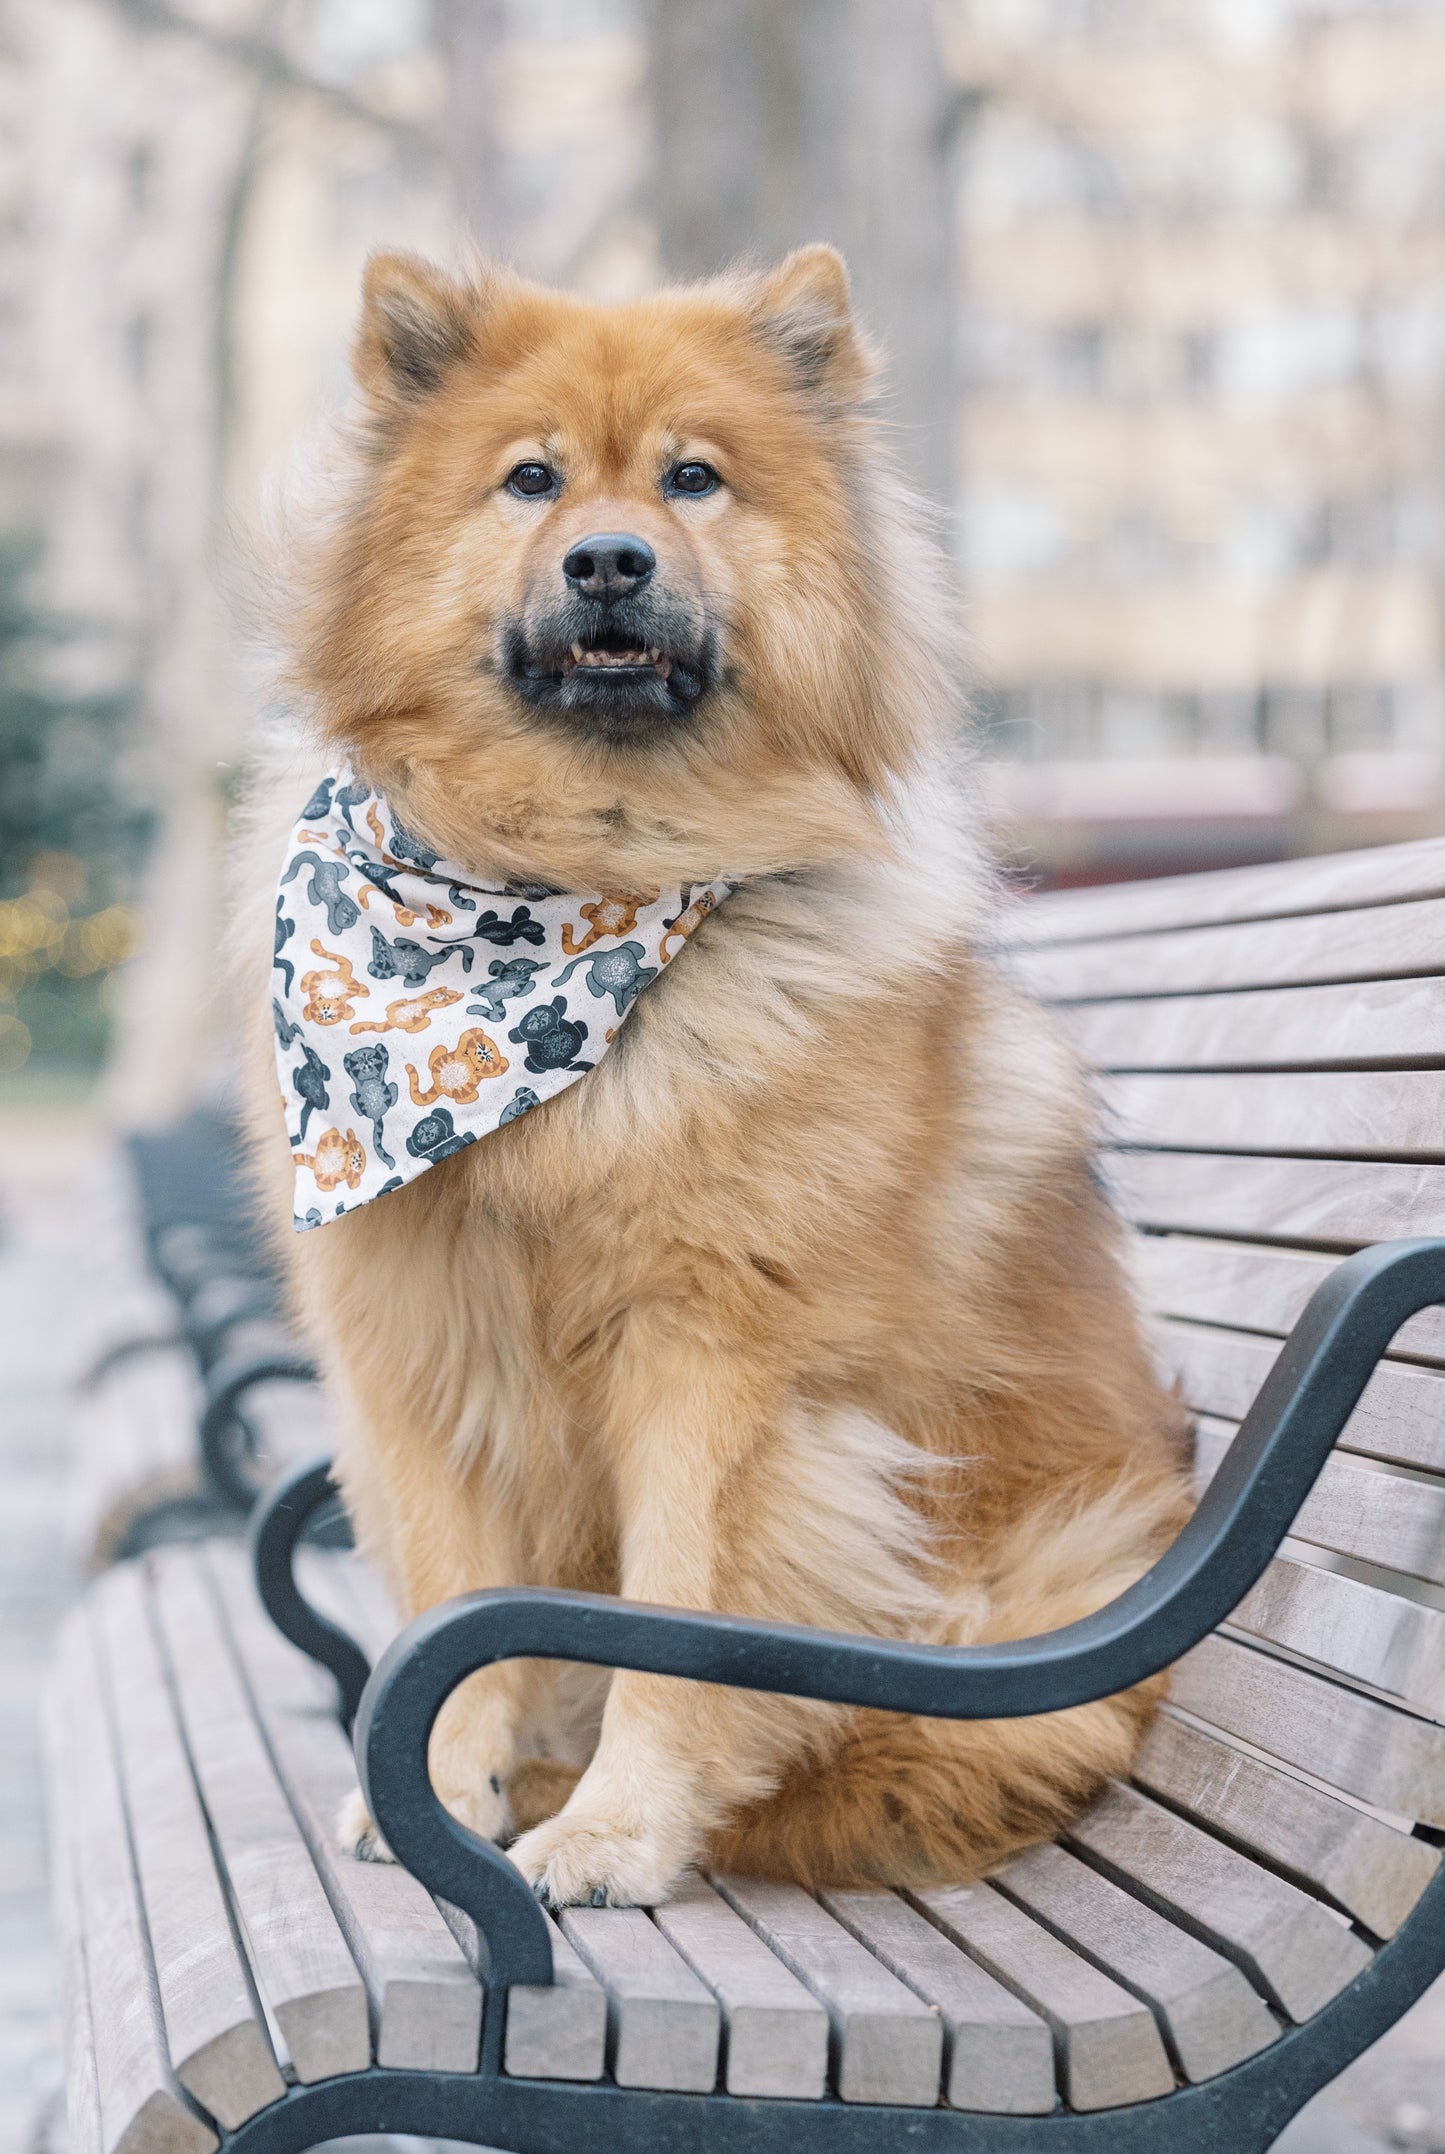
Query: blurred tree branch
[{"x": 268, "y": 58}]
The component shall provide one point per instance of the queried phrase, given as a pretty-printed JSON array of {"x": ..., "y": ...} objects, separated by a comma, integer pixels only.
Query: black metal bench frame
[
  {"x": 1246, "y": 1512},
  {"x": 187, "y": 1186}
]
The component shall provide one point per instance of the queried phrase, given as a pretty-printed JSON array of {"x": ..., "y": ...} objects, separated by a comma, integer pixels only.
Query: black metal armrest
[
  {"x": 276, "y": 1531},
  {"x": 222, "y": 1431},
  {"x": 1245, "y": 1513}
]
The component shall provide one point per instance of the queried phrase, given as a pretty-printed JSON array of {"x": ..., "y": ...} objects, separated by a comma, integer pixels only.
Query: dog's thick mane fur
[{"x": 805, "y": 1302}]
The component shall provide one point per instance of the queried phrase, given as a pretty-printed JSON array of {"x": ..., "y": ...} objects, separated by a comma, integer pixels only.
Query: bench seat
[
  {"x": 1203, "y": 1949},
  {"x": 220, "y": 1948}
]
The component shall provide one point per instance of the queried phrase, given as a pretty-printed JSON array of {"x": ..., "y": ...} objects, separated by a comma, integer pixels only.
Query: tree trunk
[
  {"x": 469, "y": 35},
  {"x": 821, "y": 119}
]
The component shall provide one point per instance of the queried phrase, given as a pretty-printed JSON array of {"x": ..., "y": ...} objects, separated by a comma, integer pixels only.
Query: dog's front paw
[
  {"x": 588, "y": 1861},
  {"x": 356, "y": 1833},
  {"x": 482, "y": 1805},
  {"x": 480, "y": 1802}
]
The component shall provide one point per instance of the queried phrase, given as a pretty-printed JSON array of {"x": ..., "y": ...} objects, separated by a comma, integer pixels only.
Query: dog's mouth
[
  {"x": 612, "y": 652},
  {"x": 616, "y": 678}
]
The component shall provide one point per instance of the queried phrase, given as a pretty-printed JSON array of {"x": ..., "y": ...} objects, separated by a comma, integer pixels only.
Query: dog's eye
[
  {"x": 692, "y": 478},
  {"x": 530, "y": 480}
]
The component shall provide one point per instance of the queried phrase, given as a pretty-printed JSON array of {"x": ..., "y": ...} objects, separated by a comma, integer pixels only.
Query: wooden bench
[
  {"x": 1206, "y": 1948},
  {"x": 202, "y": 1323}
]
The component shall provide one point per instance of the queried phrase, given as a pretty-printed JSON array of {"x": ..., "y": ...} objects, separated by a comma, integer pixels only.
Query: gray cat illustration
[
  {"x": 285, "y": 929},
  {"x": 511, "y": 977},
  {"x": 309, "y": 1085},
  {"x": 320, "y": 802},
  {"x": 324, "y": 888},
  {"x": 552, "y": 1037},
  {"x": 523, "y": 1103},
  {"x": 407, "y": 960},
  {"x": 373, "y": 1097},
  {"x": 614, "y": 972}
]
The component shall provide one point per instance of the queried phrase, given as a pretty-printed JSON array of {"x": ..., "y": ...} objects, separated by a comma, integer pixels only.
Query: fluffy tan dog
[{"x": 804, "y": 1304}]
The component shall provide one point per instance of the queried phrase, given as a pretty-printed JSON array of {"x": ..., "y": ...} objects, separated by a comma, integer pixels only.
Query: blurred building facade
[
  {"x": 1198, "y": 261},
  {"x": 1203, "y": 492}
]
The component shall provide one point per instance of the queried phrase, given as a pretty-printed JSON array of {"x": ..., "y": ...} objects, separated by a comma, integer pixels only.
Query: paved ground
[
  {"x": 67, "y": 1273},
  {"x": 55, "y": 1185}
]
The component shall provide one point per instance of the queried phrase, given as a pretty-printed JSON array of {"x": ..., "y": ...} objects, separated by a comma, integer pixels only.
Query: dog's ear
[
  {"x": 416, "y": 323},
  {"x": 803, "y": 309}
]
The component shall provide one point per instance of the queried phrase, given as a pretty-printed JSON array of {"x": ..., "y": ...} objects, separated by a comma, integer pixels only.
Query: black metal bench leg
[{"x": 276, "y": 1531}]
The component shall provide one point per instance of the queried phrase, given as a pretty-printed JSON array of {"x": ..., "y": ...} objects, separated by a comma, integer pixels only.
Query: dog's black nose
[{"x": 609, "y": 565}]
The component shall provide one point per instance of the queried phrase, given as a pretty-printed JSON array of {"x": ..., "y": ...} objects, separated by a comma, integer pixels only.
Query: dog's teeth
[{"x": 577, "y": 652}]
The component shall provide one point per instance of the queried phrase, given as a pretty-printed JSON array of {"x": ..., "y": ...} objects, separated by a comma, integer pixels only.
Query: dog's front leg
[
  {"x": 704, "y": 1479},
  {"x": 443, "y": 1535}
]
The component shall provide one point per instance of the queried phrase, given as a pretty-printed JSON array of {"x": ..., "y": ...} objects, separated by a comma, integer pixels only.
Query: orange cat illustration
[
  {"x": 328, "y": 994},
  {"x": 458, "y": 1073},
  {"x": 608, "y": 916},
  {"x": 686, "y": 923},
  {"x": 436, "y": 915},
  {"x": 336, "y": 1159},
  {"x": 411, "y": 1013}
]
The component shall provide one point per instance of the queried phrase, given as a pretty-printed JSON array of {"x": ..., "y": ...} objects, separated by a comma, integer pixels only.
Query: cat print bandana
[{"x": 417, "y": 1010}]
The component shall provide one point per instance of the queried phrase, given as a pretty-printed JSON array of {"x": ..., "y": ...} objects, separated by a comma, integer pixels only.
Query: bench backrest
[{"x": 1269, "y": 1046}]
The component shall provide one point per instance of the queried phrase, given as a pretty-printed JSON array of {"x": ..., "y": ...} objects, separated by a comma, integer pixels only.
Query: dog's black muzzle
[{"x": 615, "y": 670}]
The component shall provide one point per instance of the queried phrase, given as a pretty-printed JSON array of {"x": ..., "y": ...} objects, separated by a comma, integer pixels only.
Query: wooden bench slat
[
  {"x": 142, "y": 2111},
  {"x": 557, "y": 2031},
  {"x": 1352, "y": 1627},
  {"x": 1210, "y": 2016},
  {"x": 776, "y": 2032},
  {"x": 82, "y": 2086},
  {"x": 888, "y": 2045},
  {"x": 663, "y": 2023},
  {"x": 1369, "y": 1868},
  {"x": 1372, "y": 1024},
  {"x": 1400, "y": 1416},
  {"x": 1368, "y": 1512},
  {"x": 1380, "y": 943},
  {"x": 1323, "y": 1114},
  {"x": 998, "y": 2054},
  {"x": 1277, "y": 890},
  {"x": 427, "y": 2000},
  {"x": 303, "y": 1969},
  {"x": 219, "y": 2049},
  {"x": 1290, "y": 1945},
  {"x": 1250, "y": 1287},
  {"x": 1370, "y": 1750},
  {"x": 1107, "y": 2044},
  {"x": 82, "y": 2091},
  {"x": 1334, "y": 1204}
]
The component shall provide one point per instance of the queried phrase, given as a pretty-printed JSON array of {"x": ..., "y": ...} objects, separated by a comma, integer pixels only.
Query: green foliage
[{"x": 70, "y": 838}]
